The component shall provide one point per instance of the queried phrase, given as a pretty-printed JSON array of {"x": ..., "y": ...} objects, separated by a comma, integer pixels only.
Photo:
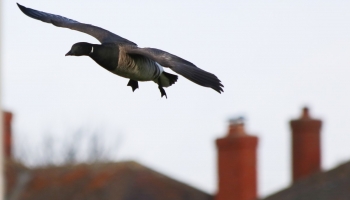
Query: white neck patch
[{"x": 92, "y": 50}]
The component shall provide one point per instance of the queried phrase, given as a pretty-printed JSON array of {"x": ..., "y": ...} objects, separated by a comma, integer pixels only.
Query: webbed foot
[
  {"x": 133, "y": 84},
  {"x": 162, "y": 91}
]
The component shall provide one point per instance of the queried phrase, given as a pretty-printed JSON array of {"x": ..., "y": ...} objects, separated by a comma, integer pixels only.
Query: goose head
[{"x": 80, "y": 49}]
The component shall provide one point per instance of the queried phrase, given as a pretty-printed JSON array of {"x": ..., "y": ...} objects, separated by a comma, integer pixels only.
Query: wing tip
[
  {"x": 215, "y": 84},
  {"x": 219, "y": 88},
  {"x": 20, "y": 6},
  {"x": 24, "y": 9}
]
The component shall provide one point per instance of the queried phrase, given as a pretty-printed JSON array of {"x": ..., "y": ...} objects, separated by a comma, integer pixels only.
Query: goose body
[
  {"x": 113, "y": 58},
  {"x": 124, "y": 58}
]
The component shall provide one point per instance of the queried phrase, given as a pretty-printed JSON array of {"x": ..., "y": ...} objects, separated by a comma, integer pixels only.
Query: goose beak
[{"x": 69, "y": 53}]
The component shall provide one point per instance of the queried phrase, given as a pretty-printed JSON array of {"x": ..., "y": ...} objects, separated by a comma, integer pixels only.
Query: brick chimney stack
[
  {"x": 306, "y": 147},
  {"x": 7, "y": 117},
  {"x": 237, "y": 163}
]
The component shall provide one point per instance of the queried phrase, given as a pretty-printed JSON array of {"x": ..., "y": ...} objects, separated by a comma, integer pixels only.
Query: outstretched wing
[
  {"x": 180, "y": 66},
  {"x": 100, "y": 34}
]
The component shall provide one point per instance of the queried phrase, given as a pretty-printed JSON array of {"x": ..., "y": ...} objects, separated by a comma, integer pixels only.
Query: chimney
[
  {"x": 237, "y": 164},
  {"x": 306, "y": 148},
  {"x": 7, "y": 117}
]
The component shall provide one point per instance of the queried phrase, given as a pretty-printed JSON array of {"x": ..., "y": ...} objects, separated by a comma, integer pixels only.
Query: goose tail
[{"x": 166, "y": 79}]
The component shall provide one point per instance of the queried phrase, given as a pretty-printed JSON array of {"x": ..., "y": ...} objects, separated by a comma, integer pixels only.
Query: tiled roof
[
  {"x": 329, "y": 185},
  {"x": 102, "y": 181}
]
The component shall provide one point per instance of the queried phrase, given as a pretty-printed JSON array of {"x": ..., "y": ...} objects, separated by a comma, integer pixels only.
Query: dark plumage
[{"x": 122, "y": 57}]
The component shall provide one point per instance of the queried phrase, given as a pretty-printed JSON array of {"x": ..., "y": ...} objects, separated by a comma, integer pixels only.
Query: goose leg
[
  {"x": 133, "y": 84},
  {"x": 161, "y": 89}
]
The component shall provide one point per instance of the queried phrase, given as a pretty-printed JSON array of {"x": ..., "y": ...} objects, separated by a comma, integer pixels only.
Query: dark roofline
[
  {"x": 322, "y": 181},
  {"x": 25, "y": 176}
]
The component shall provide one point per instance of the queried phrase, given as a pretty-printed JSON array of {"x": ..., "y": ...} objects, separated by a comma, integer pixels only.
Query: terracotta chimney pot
[
  {"x": 237, "y": 164},
  {"x": 306, "y": 145}
]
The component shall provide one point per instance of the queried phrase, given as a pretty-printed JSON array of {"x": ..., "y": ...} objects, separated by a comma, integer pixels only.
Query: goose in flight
[{"x": 124, "y": 58}]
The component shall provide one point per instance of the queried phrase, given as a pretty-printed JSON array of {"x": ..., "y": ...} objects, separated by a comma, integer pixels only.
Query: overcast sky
[{"x": 273, "y": 58}]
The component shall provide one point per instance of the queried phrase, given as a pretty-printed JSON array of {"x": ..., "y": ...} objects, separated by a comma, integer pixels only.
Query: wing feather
[
  {"x": 180, "y": 66},
  {"x": 100, "y": 34}
]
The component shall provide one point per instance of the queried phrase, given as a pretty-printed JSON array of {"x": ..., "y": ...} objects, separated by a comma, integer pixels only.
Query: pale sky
[{"x": 273, "y": 57}]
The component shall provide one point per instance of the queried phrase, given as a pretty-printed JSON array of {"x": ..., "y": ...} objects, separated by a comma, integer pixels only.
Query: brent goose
[{"x": 122, "y": 57}]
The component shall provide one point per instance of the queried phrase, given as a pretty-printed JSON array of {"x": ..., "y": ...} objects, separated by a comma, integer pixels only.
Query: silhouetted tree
[{"x": 81, "y": 146}]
